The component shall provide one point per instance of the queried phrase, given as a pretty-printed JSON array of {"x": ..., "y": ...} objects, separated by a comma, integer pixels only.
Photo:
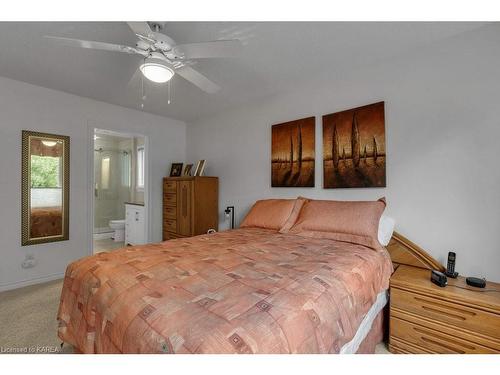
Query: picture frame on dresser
[
  {"x": 176, "y": 169},
  {"x": 187, "y": 170},
  {"x": 200, "y": 168}
]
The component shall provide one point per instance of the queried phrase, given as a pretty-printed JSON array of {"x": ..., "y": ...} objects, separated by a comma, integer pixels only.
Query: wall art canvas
[
  {"x": 292, "y": 153},
  {"x": 354, "y": 153}
]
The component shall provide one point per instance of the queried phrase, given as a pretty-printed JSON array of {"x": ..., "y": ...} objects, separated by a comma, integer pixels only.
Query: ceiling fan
[{"x": 163, "y": 58}]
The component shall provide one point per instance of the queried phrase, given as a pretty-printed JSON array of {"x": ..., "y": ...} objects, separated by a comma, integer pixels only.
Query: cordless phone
[{"x": 450, "y": 268}]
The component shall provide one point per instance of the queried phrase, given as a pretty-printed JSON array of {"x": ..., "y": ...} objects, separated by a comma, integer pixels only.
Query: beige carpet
[{"x": 28, "y": 320}]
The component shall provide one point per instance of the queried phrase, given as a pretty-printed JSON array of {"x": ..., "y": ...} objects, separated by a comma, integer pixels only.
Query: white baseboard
[
  {"x": 28, "y": 282},
  {"x": 103, "y": 236}
]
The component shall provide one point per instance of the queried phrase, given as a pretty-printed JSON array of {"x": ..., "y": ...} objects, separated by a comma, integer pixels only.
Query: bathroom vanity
[{"x": 135, "y": 224}]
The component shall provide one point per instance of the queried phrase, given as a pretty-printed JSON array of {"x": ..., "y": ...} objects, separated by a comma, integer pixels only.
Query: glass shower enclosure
[{"x": 112, "y": 183}]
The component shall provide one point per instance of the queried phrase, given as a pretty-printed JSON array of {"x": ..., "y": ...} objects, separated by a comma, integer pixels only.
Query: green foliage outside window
[{"x": 44, "y": 171}]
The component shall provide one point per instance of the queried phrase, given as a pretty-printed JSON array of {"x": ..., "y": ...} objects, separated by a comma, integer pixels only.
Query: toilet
[{"x": 119, "y": 227}]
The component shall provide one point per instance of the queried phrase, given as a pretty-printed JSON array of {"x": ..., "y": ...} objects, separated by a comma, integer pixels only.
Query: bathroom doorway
[{"x": 119, "y": 186}]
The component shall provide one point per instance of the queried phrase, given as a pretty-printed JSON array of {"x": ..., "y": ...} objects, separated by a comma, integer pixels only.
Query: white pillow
[{"x": 385, "y": 229}]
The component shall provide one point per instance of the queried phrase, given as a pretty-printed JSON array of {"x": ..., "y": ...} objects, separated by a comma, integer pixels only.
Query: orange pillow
[
  {"x": 351, "y": 221},
  {"x": 271, "y": 214}
]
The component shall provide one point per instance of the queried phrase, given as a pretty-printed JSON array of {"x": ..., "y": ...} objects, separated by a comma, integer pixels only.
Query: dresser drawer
[
  {"x": 432, "y": 340},
  {"x": 170, "y": 225},
  {"x": 169, "y": 212},
  {"x": 170, "y": 186},
  {"x": 400, "y": 347},
  {"x": 475, "y": 320},
  {"x": 170, "y": 199}
]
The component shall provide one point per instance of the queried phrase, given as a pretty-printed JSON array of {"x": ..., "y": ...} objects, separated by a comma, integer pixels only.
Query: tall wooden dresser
[{"x": 190, "y": 206}]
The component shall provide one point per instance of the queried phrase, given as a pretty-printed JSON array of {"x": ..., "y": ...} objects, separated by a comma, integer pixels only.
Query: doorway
[{"x": 119, "y": 185}]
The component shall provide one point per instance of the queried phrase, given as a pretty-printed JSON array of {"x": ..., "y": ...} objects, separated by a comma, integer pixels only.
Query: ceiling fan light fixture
[
  {"x": 156, "y": 71},
  {"x": 49, "y": 143}
]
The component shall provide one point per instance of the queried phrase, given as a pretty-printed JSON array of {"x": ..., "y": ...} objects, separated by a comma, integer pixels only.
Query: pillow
[
  {"x": 350, "y": 221},
  {"x": 385, "y": 229},
  {"x": 297, "y": 207},
  {"x": 269, "y": 214}
]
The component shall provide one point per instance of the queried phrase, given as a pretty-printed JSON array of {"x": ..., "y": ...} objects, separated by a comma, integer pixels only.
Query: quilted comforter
[{"x": 241, "y": 291}]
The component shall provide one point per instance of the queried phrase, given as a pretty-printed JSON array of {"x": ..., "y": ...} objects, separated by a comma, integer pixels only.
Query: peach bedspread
[{"x": 242, "y": 291}]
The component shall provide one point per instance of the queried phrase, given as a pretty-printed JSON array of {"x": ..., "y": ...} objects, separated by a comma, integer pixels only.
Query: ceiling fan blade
[
  {"x": 147, "y": 34},
  {"x": 207, "y": 50},
  {"x": 163, "y": 41},
  {"x": 197, "y": 79},
  {"x": 95, "y": 45},
  {"x": 141, "y": 28}
]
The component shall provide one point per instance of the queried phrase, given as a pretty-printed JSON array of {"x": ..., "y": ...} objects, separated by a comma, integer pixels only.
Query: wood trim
[
  {"x": 188, "y": 178},
  {"x": 403, "y": 251}
]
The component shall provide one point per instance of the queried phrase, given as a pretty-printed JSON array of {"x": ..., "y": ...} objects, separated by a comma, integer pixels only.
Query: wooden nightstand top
[{"x": 418, "y": 280}]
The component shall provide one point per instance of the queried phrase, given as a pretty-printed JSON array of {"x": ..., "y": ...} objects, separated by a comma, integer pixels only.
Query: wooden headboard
[{"x": 403, "y": 251}]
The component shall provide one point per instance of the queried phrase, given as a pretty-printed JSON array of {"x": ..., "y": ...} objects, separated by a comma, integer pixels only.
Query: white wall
[
  {"x": 442, "y": 135},
  {"x": 28, "y": 107}
]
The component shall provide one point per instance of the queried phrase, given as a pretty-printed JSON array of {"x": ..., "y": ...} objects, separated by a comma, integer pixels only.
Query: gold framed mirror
[{"x": 45, "y": 188}]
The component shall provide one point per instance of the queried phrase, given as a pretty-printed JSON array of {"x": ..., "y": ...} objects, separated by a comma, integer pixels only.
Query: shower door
[{"x": 111, "y": 186}]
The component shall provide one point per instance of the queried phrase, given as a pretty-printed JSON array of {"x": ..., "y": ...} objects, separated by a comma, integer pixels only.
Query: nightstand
[{"x": 425, "y": 318}]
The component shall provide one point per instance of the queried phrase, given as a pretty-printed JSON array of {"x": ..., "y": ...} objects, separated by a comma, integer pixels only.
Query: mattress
[
  {"x": 364, "y": 328},
  {"x": 242, "y": 291}
]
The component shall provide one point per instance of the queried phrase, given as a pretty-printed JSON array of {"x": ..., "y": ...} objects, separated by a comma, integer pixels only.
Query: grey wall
[
  {"x": 24, "y": 106},
  {"x": 442, "y": 134}
]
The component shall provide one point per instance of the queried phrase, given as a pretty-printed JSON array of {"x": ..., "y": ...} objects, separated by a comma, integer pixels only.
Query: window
[
  {"x": 125, "y": 160},
  {"x": 105, "y": 173},
  {"x": 140, "y": 168}
]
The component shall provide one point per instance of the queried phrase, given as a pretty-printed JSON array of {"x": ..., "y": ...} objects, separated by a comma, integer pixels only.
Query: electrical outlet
[{"x": 29, "y": 261}]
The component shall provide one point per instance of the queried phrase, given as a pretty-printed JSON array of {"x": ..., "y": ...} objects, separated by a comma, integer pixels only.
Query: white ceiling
[{"x": 275, "y": 58}]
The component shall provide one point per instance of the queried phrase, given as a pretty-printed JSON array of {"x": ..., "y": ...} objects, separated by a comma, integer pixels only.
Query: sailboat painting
[
  {"x": 354, "y": 153},
  {"x": 292, "y": 153}
]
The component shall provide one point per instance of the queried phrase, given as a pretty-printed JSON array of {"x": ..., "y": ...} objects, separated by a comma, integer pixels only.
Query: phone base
[
  {"x": 476, "y": 281},
  {"x": 453, "y": 275}
]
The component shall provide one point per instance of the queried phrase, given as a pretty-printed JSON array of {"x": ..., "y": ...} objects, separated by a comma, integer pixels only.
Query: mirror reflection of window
[
  {"x": 45, "y": 181},
  {"x": 105, "y": 172}
]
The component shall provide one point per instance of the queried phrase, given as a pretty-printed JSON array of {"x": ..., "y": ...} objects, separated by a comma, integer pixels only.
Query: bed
[
  {"x": 45, "y": 221},
  {"x": 249, "y": 290}
]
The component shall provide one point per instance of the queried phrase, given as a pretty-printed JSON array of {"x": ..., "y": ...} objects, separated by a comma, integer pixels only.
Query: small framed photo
[
  {"x": 187, "y": 170},
  {"x": 200, "y": 167},
  {"x": 176, "y": 170}
]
